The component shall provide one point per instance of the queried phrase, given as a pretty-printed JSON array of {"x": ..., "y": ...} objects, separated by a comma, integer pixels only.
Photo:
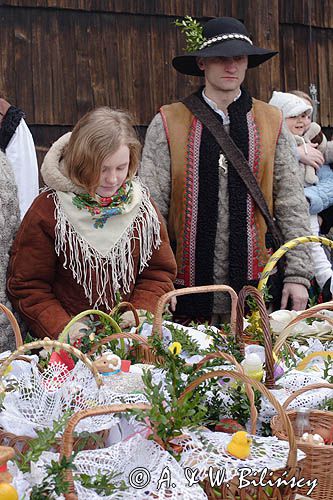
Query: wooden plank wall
[{"x": 60, "y": 58}]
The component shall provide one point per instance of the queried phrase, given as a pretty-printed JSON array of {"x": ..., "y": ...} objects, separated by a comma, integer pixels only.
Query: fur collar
[{"x": 53, "y": 169}]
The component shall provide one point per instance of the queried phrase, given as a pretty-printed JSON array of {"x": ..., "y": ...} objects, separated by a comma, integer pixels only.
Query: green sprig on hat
[{"x": 193, "y": 31}]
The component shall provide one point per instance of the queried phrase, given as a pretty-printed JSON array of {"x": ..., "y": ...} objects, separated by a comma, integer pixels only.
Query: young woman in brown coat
[{"x": 93, "y": 232}]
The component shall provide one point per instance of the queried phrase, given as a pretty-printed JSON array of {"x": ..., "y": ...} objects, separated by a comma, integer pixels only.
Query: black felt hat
[{"x": 225, "y": 36}]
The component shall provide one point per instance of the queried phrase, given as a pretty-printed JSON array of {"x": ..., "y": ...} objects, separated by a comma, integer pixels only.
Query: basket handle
[
  {"x": 283, "y": 249},
  {"x": 67, "y": 442},
  {"x": 121, "y": 335},
  {"x": 311, "y": 387},
  {"x": 269, "y": 360},
  {"x": 313, "y": 312},
  {"x": 14, "y": 324},
  {"x": 248, "y": 389},
  {"x": 292, "y": 455},
  {"x": 129, "y": 307},
  {"x": 82, "y": 314},
  {"x": 50, "y": 343},
  {"x": 165, "y": 299}
]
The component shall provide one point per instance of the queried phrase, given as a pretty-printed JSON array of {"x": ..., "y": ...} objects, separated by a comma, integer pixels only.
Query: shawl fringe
[{"x": 115, "y": 271}]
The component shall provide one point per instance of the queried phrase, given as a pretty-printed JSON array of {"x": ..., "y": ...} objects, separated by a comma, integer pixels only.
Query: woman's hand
[
  {"x": 127, "y": 319},
  {"x": 309, "y": 155},
  {"x": 77, "y": 331}
]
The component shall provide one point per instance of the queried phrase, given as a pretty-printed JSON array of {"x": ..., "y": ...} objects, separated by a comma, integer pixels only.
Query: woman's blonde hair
[{"x": 97, "y": 135}]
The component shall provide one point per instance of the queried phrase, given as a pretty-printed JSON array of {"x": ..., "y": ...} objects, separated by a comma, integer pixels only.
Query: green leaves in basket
[
  {"x": 326, "y": 405},
  {"x": 103, "y": 484},
  {"x": 168, "y": 417},
  {"x": 45, "y": 440},
  {"x": 239, "y": 407},
  {"x": 189, "y": 345},
  {"x": 224, "y": 342},
  {"x": 54, "y": 483},
  {"x": 328, "y": 369}
]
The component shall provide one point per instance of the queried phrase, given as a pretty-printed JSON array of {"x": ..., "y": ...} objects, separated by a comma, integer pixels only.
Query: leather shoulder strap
[{"x": 235, "y": 157}]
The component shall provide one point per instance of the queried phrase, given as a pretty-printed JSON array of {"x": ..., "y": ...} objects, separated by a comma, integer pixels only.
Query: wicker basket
[
  {"x": 141, "y": 351},
  {"x": 67, "y": 444},
  {"x": 232, "y": 492},
  {"x": 14, "y": 324},
  {"x": 248, "y": 389},
  {"x": 318, "y": 463},
  {"x": 312, "y": 312},
  {"x": 292, "y": 469},
  {"x": 289, "y": 245},
  {"x": 268, "y": 343},
  {"x": 21, "y": 443},
  {"x": 165, "y": 299}
]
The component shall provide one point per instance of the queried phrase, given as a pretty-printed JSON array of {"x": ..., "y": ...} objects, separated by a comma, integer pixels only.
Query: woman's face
[
  {"x": 298, "y": 125},
  {"x": 114, "y": 171}
]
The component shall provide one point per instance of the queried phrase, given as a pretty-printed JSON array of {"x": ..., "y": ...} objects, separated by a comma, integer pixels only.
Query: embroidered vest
[{"x": 183, "y": 132}]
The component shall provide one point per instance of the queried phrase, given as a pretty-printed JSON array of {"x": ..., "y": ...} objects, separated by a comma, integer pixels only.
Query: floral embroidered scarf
[{"x": 101, "y": 209}]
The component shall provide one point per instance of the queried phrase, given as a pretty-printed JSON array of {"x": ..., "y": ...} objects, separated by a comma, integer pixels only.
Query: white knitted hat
[{"x": 290, "y": 104}]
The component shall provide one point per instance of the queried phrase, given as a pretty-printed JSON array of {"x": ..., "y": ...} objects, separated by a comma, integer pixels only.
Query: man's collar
[{"x": 214, "y": 107}]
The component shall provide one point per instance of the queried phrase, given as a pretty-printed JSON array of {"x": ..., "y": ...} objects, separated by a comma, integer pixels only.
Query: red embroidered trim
[
  {"x": 254, "y": 264},
  {"x": 186, "y": 275}
]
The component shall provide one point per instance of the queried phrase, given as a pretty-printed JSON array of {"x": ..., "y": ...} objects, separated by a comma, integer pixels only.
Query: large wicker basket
[
  {"x": 231, "y": 491},
  {"x": 67, "y": 444},
  {"x": 21, "y": 443},
  {"x": 318, "y": 463}
]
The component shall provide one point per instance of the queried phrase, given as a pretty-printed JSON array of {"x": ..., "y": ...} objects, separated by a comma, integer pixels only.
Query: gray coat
[
  {"x": 9, "y": 223},
  {"x": 290, "y": 207}
]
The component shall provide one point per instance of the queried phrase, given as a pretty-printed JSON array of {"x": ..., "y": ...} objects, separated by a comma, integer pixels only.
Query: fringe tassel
[{"x": 115, "y": 271}]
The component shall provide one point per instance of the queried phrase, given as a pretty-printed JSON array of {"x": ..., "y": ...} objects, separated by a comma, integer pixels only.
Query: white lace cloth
[
  {"x": 41, "y": 398},
  {"x": 137, "y": 461},
  {"x": 205, "y": 449}
]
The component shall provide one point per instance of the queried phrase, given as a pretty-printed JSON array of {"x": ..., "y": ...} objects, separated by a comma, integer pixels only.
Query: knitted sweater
[
  {"x": 290, "y": 207},
  {"x": 9, "y": 222}
]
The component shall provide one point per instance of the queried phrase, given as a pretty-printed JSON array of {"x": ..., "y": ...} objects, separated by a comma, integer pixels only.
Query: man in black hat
[{"x": 195, "y": 172}]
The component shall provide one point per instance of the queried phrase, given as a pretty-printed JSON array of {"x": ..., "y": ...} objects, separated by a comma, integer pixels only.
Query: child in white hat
[{"x": 297, "y": 112}]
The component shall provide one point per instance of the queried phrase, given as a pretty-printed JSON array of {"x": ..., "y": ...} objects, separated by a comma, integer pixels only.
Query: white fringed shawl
[
  {"x": 105, "y": 255},
  {"x": 100, "y": 255}
]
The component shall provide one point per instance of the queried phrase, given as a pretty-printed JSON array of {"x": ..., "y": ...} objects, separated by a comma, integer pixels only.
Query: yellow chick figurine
[{"x": 240, "y": 445}]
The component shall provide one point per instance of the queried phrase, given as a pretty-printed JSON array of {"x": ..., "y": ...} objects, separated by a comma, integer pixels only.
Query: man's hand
[
  {"x": 312, "y": 157},
  {"x": 298, "y": 294}
]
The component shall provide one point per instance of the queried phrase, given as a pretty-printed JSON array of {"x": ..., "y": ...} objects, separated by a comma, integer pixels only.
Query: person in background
[
  {"x": 319, "y": 196},
  {"x": 17, "y": 143},
  {"x": 297, "y": 114},
  {"x": 9, "y": 223},
  {"x": 215, "y": 227},
  {"x": 94, "y": 233}
]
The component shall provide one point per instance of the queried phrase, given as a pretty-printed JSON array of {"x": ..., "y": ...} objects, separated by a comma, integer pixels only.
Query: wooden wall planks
[
  {"x": 60, "y": 58},
  {"x": 197, "y": 8}
]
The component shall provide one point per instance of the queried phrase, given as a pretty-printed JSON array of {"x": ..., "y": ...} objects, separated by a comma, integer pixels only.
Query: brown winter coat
[{"x": 45, "y": 293}]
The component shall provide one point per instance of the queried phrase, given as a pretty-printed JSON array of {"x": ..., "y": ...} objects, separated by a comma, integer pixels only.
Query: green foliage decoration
[{"x": 193, "y": 32}]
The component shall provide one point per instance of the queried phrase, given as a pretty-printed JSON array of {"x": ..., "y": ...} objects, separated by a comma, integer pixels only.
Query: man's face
[{"x": 224, "y": 73}]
